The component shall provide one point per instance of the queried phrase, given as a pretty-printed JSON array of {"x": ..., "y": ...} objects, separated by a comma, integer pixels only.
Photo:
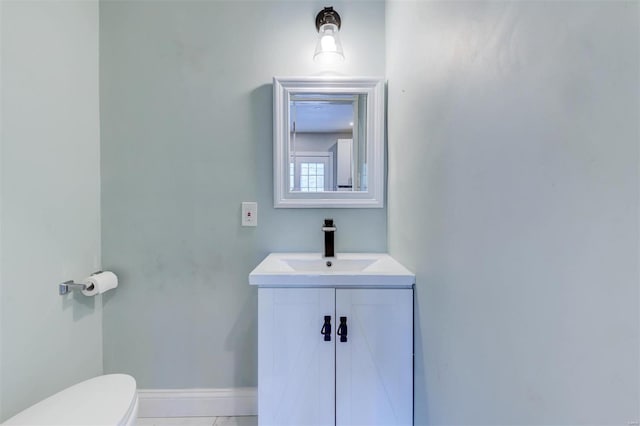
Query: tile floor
[{"x": 199, "y": 421}]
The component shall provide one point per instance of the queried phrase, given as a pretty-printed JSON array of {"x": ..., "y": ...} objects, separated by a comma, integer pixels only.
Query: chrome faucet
[{"x": 329, "y": 230}]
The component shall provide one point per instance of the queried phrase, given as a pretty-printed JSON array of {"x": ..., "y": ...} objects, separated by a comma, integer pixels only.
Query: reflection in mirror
[{"x": 327, "y": 142}]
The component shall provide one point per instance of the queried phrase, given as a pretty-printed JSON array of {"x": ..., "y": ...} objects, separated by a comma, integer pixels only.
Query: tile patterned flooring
[{"x": 198, "y": 421}]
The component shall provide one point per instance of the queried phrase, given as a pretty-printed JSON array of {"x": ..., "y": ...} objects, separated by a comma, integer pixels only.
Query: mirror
[{"x": 328, "y": 142}]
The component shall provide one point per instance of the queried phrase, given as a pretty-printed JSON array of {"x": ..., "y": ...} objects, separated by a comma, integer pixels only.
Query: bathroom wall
[
  {"x": 1, "y": 209},
  {"x": 186, "y": 130},
  {"x": 515, "y": 124},
  {"x": 49, "y": 198}
]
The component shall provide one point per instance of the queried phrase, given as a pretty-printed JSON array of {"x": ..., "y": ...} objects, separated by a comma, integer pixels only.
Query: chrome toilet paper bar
[{"x": 67, "y": 286}]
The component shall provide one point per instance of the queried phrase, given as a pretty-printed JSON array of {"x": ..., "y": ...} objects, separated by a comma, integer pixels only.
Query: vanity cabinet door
[
  {"x": 374, "y": 366},
  {"x": 296, "y": 365}
]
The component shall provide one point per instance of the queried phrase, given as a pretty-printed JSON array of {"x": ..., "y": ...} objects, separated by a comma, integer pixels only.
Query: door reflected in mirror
[{"x": 327, "y": 142}]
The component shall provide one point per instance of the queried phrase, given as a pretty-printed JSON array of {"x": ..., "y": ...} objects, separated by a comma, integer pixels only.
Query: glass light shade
[{"x": 328, "y": 48}]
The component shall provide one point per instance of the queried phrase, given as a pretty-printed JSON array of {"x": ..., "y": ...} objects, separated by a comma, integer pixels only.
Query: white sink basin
[
  {"x": 319, "y": 266},
  {"x": 343, "y": 270}
]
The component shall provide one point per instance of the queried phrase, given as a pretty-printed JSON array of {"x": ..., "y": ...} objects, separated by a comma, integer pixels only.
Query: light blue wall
[
  {"x": 1, "y": 209},
  {"x": 49, "y": 198},
  {"x": 513, "y": 194},
  {"x": 186, "y": 109}
]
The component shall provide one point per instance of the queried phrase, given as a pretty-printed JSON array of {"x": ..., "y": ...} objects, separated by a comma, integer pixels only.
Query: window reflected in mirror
[{"x": 327, "y": 148}]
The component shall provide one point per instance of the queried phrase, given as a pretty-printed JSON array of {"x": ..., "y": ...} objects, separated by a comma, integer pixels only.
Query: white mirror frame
[{"x": 283, "y": 88}]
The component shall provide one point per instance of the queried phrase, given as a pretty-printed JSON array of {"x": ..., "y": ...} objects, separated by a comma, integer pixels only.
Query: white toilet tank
[{"x": 111, "y": 400}]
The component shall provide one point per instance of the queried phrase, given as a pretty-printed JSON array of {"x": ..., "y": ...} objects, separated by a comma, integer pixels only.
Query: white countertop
[{"x": 346, "y": 270}]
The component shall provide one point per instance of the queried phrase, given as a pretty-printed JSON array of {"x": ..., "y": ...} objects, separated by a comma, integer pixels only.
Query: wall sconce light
[{"x": 328, "y": 48}]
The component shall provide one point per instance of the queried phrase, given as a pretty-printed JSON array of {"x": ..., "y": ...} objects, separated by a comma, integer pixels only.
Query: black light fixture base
[{"x": 328, "y": 16}]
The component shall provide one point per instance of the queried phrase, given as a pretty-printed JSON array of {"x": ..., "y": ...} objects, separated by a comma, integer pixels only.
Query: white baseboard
[{"x": 197, "y": 402}]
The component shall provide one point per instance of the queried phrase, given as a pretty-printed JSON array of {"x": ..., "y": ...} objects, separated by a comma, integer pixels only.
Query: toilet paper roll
[{"x": 100, "y": 282}]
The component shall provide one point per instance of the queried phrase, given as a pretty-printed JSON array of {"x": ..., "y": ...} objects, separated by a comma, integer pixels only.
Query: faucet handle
[{"x": 328, "y": 226}]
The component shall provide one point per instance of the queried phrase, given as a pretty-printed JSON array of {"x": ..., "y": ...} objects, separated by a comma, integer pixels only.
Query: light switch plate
[{"x": 249, "y": 213}]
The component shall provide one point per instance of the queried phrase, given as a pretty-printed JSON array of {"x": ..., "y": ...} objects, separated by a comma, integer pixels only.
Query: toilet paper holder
[{"x": 67, "y": 286}]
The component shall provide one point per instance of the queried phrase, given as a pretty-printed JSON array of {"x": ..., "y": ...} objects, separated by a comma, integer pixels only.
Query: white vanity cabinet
[{"x": 364, "y": 376}]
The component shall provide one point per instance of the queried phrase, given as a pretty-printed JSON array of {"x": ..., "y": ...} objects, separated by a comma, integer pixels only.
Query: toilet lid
[{"x": 102, "y": 400}]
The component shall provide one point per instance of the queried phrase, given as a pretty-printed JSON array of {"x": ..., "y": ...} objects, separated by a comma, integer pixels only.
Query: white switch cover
[{"x": 249, "y": 213}]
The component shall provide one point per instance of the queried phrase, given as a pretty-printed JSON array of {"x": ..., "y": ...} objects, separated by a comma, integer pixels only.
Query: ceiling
[{"x": 321, "y": 116}]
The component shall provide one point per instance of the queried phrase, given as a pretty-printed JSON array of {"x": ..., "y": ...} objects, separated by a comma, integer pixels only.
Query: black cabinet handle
[
  {"x": 326, "y": 328},
  {"x": 342, "y": 329}
]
